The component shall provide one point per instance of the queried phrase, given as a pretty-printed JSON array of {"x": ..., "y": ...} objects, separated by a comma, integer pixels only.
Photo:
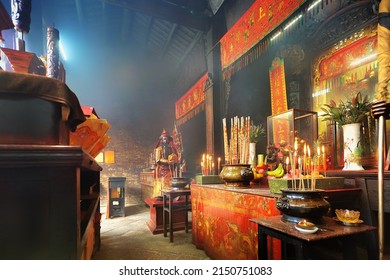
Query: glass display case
[{"x": 283, "y": 128}]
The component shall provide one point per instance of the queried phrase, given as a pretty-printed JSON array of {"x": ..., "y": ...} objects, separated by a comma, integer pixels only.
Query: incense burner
[
  {"x": 298, "y": 205},
  {"x": 179, "y": 182},
  {"x": 237, "y": 175}
]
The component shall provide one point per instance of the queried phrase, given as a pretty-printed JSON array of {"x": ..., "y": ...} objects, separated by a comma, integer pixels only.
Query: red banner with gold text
[
  {"x": 278, "y": 99},
  {"x": 343, "y": 60},
  {"x": 194, "y": 97},
  {"x": 278, "y": 86},
  {"x": 259, "y": 20}
]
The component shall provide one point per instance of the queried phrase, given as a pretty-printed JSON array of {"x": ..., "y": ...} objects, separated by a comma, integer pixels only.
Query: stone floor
[{"x": 128, "y": 238}]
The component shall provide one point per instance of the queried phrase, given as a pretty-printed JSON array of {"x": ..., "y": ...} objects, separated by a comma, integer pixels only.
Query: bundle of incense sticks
[{"x": 236, "y": 148}]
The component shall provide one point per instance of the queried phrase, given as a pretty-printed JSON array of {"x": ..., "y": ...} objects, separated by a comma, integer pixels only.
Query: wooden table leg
[
  {"x": 262, "y": 246},
  {"x": 170, "y": 218},
  {"x": 164, "y": 219},
  {"x": 186, "y": 214}
]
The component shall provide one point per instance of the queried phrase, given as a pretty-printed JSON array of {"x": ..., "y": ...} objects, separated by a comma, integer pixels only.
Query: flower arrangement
[
  {"x": 347, "y": 112},
  {"x": 255, "y": 132}
]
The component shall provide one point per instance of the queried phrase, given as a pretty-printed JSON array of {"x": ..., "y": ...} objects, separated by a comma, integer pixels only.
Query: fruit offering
[{"x": 278, "y": 172}]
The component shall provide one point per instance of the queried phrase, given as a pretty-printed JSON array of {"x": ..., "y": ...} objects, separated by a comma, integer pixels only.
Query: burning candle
[
  {"x": 295, "y": 154},
  {"x": 308, "y": 160},
  {"x": 219, "y": 165},
  {"x": 287, "y": 164},
  {"x": 318, "y": 156}
]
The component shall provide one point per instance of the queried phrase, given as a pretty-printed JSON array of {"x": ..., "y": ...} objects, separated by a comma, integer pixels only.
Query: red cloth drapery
[{"x": 258, "y": 21}]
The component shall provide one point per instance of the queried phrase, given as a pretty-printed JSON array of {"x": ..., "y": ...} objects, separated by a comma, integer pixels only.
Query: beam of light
[
  {"x": 292, "y": 22},
  {"x": 276, "y": 35},
  {"x": 363, "y": 59},
  {"x": 321, "y": 92},
  {"x": 313, "y": 5},
  {"x": 62, "y": 51}
]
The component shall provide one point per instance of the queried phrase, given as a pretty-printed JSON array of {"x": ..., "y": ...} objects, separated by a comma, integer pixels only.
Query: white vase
[
  {"x": 252, "y": 154},
  {"x": 352, "y": 147}
]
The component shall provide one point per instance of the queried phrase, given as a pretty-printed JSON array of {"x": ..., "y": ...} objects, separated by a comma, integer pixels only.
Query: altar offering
[
  {"x": 91, "y": 134},
  {"x": 325, "y": 183},
  {"x": 208, "y": 179}
]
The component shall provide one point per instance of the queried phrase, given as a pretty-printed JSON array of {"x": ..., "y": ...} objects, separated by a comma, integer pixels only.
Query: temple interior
[{"x": 194, "y": 130}]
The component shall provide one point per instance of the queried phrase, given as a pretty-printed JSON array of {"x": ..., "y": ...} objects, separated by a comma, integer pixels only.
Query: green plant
[
  {"x": 347, "y": 112},
  {"x": 255, "y": 132}
]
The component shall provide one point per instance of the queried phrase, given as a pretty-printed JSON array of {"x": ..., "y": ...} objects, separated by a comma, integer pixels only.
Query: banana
[
  {"x": 280, "y": 174},
  {"x": 276, "y": 172}
]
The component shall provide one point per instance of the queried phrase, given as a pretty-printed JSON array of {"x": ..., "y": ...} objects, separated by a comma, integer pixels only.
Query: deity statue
[{"x": 166, "y": 157}]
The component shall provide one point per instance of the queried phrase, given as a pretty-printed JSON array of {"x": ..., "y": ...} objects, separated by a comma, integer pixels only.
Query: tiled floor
[{"x": 128, "y": 238}]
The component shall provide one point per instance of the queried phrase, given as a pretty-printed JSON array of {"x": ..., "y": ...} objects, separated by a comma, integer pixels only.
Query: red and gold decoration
[
  {"x": 221, "y": 223},
  {"x": 258, "y": 21},
  {"x": 91, "y": 134},
  {"x": 192, "y": 102},
  {"x": 281, "y": 126},
  {"x": 343, "y": 61},
  {"x": 278, "y": 86}
]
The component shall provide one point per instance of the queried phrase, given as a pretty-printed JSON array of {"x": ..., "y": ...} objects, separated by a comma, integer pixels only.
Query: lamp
[
  {"x": 100, "y": 158},
  {"x": 109, "y": 157}
]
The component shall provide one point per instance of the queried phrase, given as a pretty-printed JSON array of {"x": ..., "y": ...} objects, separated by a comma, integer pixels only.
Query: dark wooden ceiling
[{"x": 165, "y": 30}]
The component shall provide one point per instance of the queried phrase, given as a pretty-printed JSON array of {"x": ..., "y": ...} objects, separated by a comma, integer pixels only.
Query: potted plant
[
  {"x": 349, "y": 115},
  {"x": 255, "y": 132},
  {"x": 347, "y": 112}
]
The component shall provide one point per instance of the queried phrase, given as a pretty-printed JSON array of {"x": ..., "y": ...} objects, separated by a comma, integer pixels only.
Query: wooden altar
[{"x": 221, "y": 218}]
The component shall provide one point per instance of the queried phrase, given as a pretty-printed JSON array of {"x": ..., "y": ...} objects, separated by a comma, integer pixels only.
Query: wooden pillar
[{"x": 208, "y": 90}]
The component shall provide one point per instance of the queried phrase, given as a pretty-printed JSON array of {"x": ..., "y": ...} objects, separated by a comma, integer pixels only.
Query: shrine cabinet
[{"x": 50, "y": 202}]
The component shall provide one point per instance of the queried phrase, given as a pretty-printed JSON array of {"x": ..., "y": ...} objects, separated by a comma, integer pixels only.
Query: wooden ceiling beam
[
  {"x": 190, "y": 47},
  {"x": 164, "y": 10},
  {"x": 169, "y": 40}
]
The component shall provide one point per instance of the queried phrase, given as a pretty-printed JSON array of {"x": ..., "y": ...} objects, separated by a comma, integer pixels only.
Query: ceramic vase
[
  {"x": 252, "y": 154},
  {"x": 352, "y": 147}
]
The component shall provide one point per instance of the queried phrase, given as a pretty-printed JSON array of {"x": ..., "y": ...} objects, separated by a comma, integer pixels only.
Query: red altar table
[{"x": 221, "y": 221}]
